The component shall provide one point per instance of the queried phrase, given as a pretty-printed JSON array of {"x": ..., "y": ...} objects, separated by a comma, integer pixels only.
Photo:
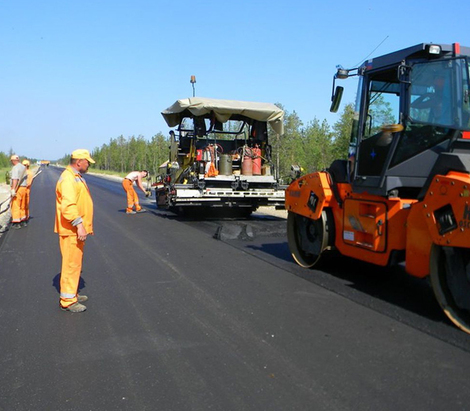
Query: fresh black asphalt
[{"x": 178, "y": 320}]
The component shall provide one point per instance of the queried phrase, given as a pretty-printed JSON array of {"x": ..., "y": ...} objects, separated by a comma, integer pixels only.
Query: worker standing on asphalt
[
  {"x": 74, "y": 222},
  {"x": 132, "y": 198},
  {"x": 18, "y": 189},
  {"x": 29, "y": 182}
]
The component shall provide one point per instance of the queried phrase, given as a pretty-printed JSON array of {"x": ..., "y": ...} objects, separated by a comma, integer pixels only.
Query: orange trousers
[
  {"x": 18, "y": 212},
  {"x": 72, "y": 257},
  {"x": 26, "y": 203},
  {"x": 132, "y": 198}
]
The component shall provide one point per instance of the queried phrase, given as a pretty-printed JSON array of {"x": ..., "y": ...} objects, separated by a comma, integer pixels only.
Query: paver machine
[
  {"x": 220, "y": 157},
  {"x": 403, "y": 195}
]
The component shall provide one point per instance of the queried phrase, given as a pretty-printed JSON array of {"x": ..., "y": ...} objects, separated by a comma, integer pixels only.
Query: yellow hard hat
[
  {"x": 82, "y": 154},
  {"x": 25, "y": 162}
]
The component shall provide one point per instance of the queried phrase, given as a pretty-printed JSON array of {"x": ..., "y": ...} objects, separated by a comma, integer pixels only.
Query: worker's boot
[
  {"x": 74, "y": 308},
  {"x": 82, "y": 298},
  {"x": 16, "y": 226}
]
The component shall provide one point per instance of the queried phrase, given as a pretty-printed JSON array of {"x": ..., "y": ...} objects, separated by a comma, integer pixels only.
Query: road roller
[{"x": 402, "y": 195}]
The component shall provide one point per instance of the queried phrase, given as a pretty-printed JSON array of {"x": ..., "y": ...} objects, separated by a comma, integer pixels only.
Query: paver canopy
[{"x": 223, "y": 110}]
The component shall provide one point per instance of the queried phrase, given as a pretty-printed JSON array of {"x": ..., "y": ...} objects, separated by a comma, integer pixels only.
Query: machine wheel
[
  {"x": 450, "y": 279},
  {"x": 308, "y": 238}
]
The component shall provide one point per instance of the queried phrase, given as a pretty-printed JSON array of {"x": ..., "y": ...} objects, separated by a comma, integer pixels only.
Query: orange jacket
[
  {"x": 73, "y": 204},
  {"x": 29, "y": 178}
]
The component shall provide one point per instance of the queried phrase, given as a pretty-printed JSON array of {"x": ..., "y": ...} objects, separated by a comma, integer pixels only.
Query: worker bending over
[
  {"x": 18, "y": 189},
  {"x": 128, "y": 186},
  {"x": 73, "y": 223}
]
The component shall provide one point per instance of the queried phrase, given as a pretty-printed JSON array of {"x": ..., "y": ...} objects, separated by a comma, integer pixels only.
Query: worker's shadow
[{"x": 56, "y": 283}]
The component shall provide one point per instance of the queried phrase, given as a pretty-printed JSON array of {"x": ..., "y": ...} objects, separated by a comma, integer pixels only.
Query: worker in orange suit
[
  {"x": 29, "y": 182},
  {"x": 73, "y": 223},
  {"x": 132, "y": 197},
  {"x": 18, "y": 189}
]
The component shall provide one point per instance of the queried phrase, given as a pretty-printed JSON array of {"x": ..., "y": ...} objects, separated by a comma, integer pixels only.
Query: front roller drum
[
  {"x": 450, "y": 279},
  {"x": 308, "y": 238}
]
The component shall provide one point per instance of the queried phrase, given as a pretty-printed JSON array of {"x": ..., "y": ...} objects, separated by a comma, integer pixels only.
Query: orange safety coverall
[
  {"x": 29, "y": 181},
  {"x": 73, "y": 205},
  {"x": 132, "y": 197},
  {"x": 18, "y": 213}
]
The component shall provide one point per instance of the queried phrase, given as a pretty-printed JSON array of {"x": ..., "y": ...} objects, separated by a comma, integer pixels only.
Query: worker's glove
[
  {"x": 147, "y": 194},
  {"x": 13, "y": 193}
]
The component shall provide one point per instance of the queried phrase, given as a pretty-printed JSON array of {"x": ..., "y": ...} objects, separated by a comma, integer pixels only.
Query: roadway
[{"x": 185, "y": 314}]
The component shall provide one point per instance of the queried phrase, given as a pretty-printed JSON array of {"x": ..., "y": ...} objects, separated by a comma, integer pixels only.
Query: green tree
[
  {"x": 157, "y": 152},
  {"x": 380, "y": 112},
  {"x": 134, "y": 153},
  {"x": 318, "y": 146},
  {"x": 342, "y": 130},
  {"x": 287, "y": 149},
  {"x": 4, "y": 160}
]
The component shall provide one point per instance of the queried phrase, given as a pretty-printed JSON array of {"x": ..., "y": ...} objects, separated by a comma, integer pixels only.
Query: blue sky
[{"x": 74, "y": 74}]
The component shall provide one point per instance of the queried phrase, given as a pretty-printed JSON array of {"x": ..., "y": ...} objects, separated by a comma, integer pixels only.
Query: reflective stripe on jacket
[{"x": 73, "y": 203}]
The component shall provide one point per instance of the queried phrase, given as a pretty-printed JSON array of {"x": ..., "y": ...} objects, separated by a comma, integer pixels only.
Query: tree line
[
  {"x": 5, "y": 159},
  {"x": 313, "y": 146}
]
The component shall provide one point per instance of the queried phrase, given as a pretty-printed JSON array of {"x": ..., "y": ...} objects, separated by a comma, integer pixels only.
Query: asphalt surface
[{"x": 186, "y": 314}]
